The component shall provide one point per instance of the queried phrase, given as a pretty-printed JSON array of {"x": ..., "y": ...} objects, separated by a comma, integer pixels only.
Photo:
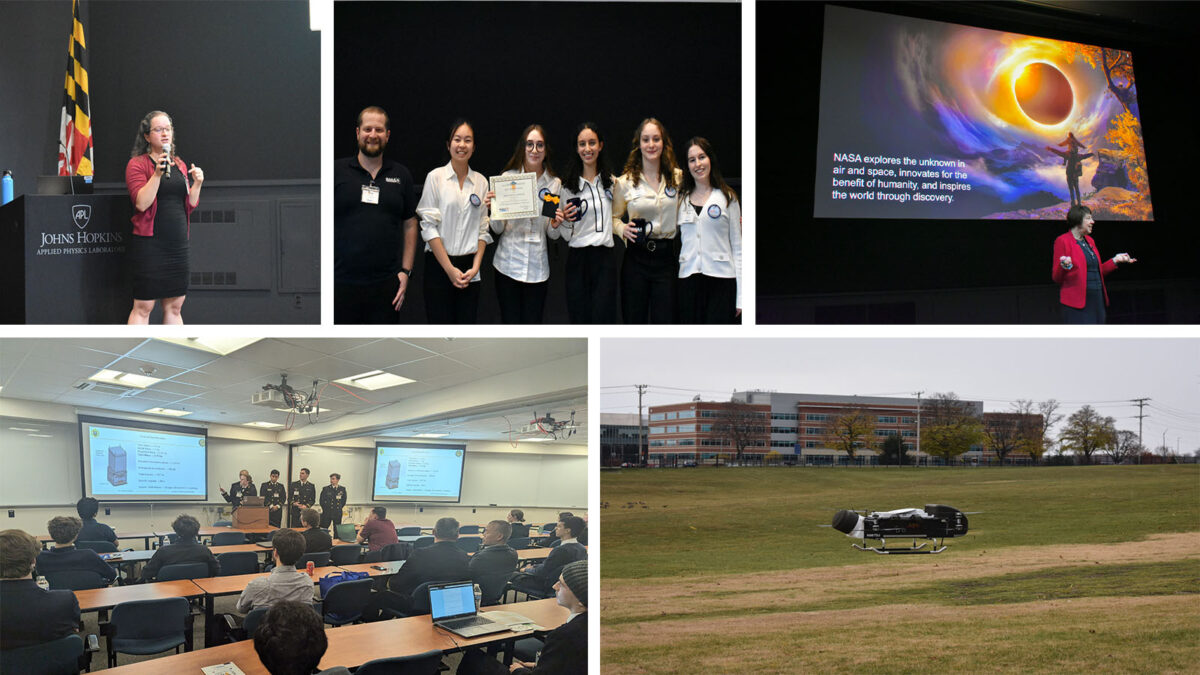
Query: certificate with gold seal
[{"x": 516, "y": 196}]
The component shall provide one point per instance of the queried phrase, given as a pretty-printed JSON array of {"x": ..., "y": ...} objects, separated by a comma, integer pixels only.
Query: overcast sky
[{"x": 1105, "y": 373}]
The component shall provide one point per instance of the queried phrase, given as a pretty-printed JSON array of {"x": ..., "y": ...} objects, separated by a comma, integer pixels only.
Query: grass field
[{"x": 1068, "y": 569}]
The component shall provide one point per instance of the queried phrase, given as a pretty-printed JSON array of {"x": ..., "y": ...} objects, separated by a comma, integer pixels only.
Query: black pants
[
  {"x": 520, "y": 302},
  {"x": 331, "y": 517},
  {"x": 387, "y": 599},
  {"x": 591, "y": 285},
  {"x": 1093, "y": 311},
  {"x": 365, "y": 303},
  {"x": 705, "y": 299},
  {"x": 648, "y": 283},
  {"x": 444, "y": 303}
]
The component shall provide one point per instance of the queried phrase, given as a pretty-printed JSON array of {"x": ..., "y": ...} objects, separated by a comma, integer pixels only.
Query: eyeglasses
[
  {"x": 159, "y": 130},
  {"x": 538, "y": 145}
]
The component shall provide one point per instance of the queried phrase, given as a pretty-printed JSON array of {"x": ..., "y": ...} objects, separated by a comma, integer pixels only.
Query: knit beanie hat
[{"x": 576, "y": 577}]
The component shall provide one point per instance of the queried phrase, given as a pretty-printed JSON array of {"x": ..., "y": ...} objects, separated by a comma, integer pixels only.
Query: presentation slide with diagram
[
  {"x": 124, "y": 460},
  {"x": 418, "y": 472}
]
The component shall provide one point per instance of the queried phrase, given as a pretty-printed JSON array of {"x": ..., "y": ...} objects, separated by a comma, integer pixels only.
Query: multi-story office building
[
  {"x": 683, "y": 433},
  {"x": 619, "y": 439},
  {"x": 799, "y": 429}
]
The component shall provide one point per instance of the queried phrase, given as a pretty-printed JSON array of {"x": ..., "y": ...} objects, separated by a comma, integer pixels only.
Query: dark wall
[
  {"x": 241, "y": 80},
  {"x": 505, "y": 65},
  {"x": 920, "y": 258}
]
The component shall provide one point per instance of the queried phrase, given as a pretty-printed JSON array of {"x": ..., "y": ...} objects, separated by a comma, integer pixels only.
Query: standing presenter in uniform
[
  {"x": 243, "y": 488},
  {"x": 164, "y": 193},
  {"x": 302, "y": 495},
  {"x": 333, "y": 500},
  {"x": 375, "y": 227},
  {"x": 274, "y": 496}
]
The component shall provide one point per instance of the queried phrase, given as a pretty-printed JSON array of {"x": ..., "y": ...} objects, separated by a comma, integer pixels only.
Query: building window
[
  {"x": 816, "y": 417},
  {"x": 908, "y": 433},
  {"x": 884, "y": 433},
  {"x": 810, "y": 444},
  {"x": 909, "y": 420},
  {"x": 814, "y": 431},
  {"x": 687, "y": 428},
  {"x": 705, "y": 427},
  {"x": 784, "y": 416},
  {"x": 687, "y": 441},
  {"x": 686, "y": 414},
  {"x": 783, "y": 430},
  {"x": 657, "y": 417},
  {"x": 672, "y": 415},
  {"x": 781, "y": 444},
  {"x": 886, "y": 419}
]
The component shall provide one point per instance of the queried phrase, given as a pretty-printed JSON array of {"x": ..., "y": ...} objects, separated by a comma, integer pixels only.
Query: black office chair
[
  {"x": 75, "y": 580},
  {"x": 519, "y": 543},
  {"x": 319, "y": 559},
  {"x": 56, "y": 657},
  {"x": 548, "y": 528},
  {"x": 397, "y": 551},
  {"x": 228, "y": 538},
  {"x": 411, "y": 531},
  {"x": 238, "y": 562},
  {"x": 468, "y": 529},
  {"x": 469, "y": 544},
  {"x": 346, "y": 601},
  {"x": 423, "y": 542},
  {"x": 197, "y": 570},
  {"x": 415, "y": 664},
  {"x": 492, "y": 587},
  {"x": 148, "y": 627},
  {"x": 345, "y": 554},
  {"x": 97, "y": 546}
]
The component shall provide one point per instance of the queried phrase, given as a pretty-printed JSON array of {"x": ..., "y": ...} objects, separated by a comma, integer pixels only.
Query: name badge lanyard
[{"x": 370, "y": 193}]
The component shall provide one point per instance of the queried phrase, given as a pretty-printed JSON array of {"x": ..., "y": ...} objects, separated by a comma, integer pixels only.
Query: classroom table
[
  {"x": 390, "y": 567},
  {"x": 97, "y": 599},
  {"x": 356, "y": 644},
  {"x": 144, "y": 536}
]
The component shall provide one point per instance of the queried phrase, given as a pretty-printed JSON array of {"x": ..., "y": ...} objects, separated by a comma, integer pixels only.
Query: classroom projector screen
[
  {"x": 925, "y": 119},
  {"x": 418, "y": 472},
  {"x": 125, "y": 460}
]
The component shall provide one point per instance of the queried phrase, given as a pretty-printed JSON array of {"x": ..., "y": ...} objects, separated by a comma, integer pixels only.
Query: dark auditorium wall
[
  {"x": 241, "y": 79},
  {"x": 968, "y": 271},
  {"x": 578, "y": 61}
]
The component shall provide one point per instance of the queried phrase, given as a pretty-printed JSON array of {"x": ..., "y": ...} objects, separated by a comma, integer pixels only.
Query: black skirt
[{"x": 160, "y": 262}]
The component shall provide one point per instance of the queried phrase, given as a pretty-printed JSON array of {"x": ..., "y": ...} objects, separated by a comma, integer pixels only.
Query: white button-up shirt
[
  {"x": 594, "y": 227},
  {"x": 711, "y": 241},
  {"x": 522, "y": 253},
  {"x": 643, "y": 201},
  {"x": 454, "y": 214}
]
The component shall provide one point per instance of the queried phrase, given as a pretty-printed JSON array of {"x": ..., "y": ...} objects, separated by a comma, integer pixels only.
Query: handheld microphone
[{"x": 167, "y": 152}]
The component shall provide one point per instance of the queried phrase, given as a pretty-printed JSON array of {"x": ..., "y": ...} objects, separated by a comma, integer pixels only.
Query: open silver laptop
[{"x": 453, "y": 608}]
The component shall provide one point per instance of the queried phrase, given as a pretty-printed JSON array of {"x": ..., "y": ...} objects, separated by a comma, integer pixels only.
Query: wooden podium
[{"x": 250, "y": 517}]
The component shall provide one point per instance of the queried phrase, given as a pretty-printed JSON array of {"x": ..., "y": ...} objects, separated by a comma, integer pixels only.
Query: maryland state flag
[{"x": 75, "y": 132}]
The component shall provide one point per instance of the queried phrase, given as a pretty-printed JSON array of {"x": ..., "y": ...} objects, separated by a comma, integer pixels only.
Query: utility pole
[
  {"x": 917, "y": 457},
  {"x": 1141, "y": 404},
  {"x": 643, "y": 457}
]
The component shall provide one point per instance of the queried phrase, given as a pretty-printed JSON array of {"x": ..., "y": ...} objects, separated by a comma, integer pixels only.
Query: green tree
[
  {"x": 950, "y": 426},
  {"x": 852, "y": 427},
  {"x": 1086, "y": 432},
  {"x": 893, "y": 450}
]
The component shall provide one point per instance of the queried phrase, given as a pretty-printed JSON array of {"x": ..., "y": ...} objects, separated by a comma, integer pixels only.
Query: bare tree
[
  {"x": 1087, "y": 431},
  {"x": 1003, "y": 434},
  {"x": 740, "y": 425},
  {"x": 1050, "y": 416},
  {"x": 952, "y": 428},
  {"x": 1125, "y": 446},
  {"x": 853, "y": 425}
]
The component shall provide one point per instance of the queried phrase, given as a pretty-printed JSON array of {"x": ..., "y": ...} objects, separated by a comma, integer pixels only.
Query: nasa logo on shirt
[
  {"x": 714, "y": 211},
  {"x": 542, "y": 193},
  {"x": 671, "y": 192},
  {"x": 475, "y": 201}
]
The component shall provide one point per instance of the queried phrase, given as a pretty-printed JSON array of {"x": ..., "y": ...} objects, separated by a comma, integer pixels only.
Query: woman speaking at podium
[{"x": 164, "y": 193}]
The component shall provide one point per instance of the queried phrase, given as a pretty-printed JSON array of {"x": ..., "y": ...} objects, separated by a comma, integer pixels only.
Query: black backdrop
[
  {"x": 614, "y": 64},
  {"x": 871, "y": 258}
]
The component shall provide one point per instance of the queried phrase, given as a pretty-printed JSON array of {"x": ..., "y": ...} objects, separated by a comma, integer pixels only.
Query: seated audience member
[
  {"x": 554, "y": 539},
  {"x": 516, "y": 518},
  {"x": 565, "y": 649},
  {"x": 88, "y": 507},
  {"x": 186, "y": 549},
  {"x": 316, "y": 540},
  {"x": 442, "y": 561},
  {"x": 539, "y": 578},
  {"x": 290, "y": 640},
  {"x": 28, "y": 614},
  {"x": 376, "y": 533},
  {"x": 64, "y": 557},
  {"x": 491, "y": 566},
  {"x": 284, "y": 582}
]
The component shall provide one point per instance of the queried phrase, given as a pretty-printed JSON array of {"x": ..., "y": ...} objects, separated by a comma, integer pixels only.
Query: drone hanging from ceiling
[{"x": 545, "y": 427}]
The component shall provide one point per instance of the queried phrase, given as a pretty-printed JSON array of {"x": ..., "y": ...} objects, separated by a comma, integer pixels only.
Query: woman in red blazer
[
  {"x": 163, "y": 198},
  {"x": 1078, "y": 271}
]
